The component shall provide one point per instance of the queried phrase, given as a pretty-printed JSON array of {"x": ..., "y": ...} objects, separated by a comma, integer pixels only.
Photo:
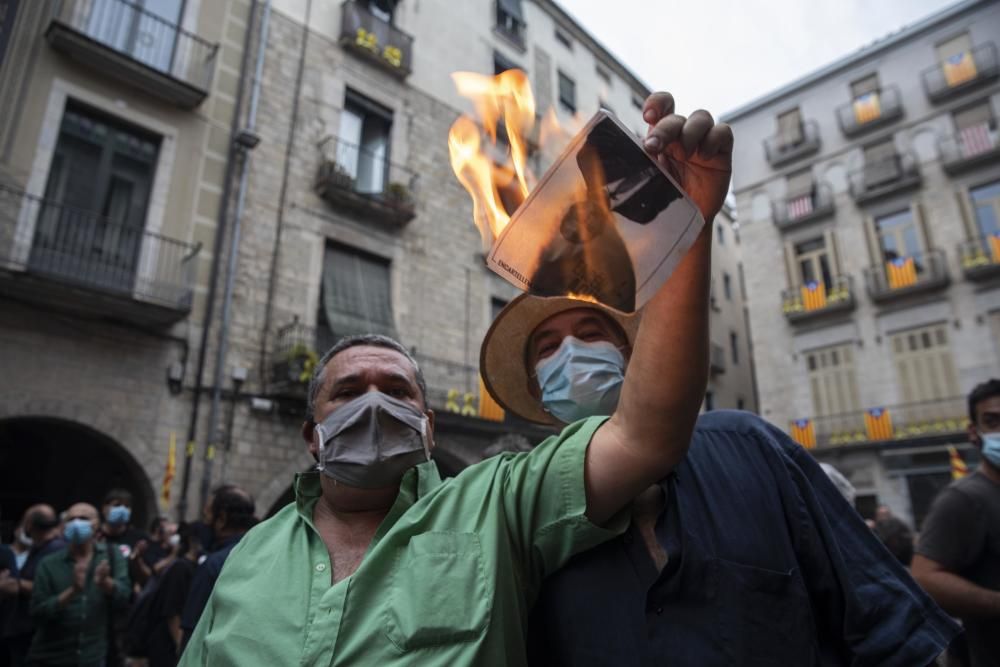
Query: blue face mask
[
  {"x": 78, "y": 531},
  {"x": 581, "y": 379},
  {"x": 991, "y": 447},
  {"x": 119, "y": 514}
]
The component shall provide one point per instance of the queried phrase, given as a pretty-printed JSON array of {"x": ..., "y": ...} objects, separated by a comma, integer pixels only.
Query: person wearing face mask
[
  {"x": 75, "y": 589},
  {"x": 117, "y": 528},
  {"x": 381, "y": 562},
  {"x": 958, "y": 554},
  {"x": 746, "y": 553}
]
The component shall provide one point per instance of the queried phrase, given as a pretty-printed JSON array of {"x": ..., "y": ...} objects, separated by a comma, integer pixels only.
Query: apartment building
[{"x": 868, "y": 195}]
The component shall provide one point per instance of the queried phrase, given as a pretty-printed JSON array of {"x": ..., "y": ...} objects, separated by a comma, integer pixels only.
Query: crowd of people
[{"x": 86, "y": 587}]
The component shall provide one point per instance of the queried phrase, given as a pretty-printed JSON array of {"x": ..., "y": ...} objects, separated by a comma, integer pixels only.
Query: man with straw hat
[{"x": 745, "y": 553}]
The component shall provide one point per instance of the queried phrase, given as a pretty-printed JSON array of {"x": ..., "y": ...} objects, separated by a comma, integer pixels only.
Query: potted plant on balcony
[
  {"x": 332, "y": 174},
  {"x": 295, "y": 368},
  {"x": 398, "y": 196}
]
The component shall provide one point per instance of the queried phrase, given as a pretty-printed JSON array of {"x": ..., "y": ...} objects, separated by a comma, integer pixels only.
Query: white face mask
[{"x": 174, "y": 540}]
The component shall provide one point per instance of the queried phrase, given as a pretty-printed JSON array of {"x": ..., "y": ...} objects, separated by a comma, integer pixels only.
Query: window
[
  {"x": 149, "y": 35},
  {"x": 501, "y": 63},
  {"x": 567, "y": 93},
  {"x": 740, "y": 404},
  {"x": 603, "y": 74},
  {"x": 924, "y": 364},
  {"x": 727, "y": 286},
  {"x": 382, "y": 9},
  {"x": 812, "y": 261},
  {"x": 734, "y": 347},
  {"x": 790, "y": 128},
  {"x": 510, "y": 19},
  {"x": 363, "y": 143},
  {"x": 638, "y": 102},
  {"x": 898, "y": 235},
  {"x": 955, "y": 46},
  {"x": 865, "y": 86},
  {"x": 720, "y": 234},
  {"x": 100, "y": 179},
  {"x": 832, "y": 380},
  {"x": 355, "y": 295},
  {"x": 709, "y": 401},
  {"x": 800, "y": 184},
  {"x": 976, "y": 129},
  {"x": 881, "y": 163},
  {"x": 496, "y": 305},
  {"x": 986, "y": 203},
  {"x": 564, "y": 39}
]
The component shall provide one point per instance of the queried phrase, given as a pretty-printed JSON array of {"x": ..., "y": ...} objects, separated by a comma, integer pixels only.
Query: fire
[
  {"x": 490, "y": 157},
  {"x": 582, "y": 297}
]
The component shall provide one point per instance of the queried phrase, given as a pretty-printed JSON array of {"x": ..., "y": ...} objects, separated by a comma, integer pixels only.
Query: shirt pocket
[
  {"x": 766, "y": 617},
  {"x": 439, "y": 593}
]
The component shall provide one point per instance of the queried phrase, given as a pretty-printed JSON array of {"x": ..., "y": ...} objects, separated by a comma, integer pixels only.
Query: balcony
[
  {"x": 893, "y": 175},
  {"x": 76, "y": 261},
  {"x": 969, "y": 148},
  {"x": 872, "y": 111},
  {"x": 942, "y": 419},
  {"x": 813, "y": 301},
  {"x": 780, "y": 151},
  {"x": 717, "y": 359},
  {"x": 293, "y": 361},
  {"x": 967, "y": 71},
  {"x": 905, "y": 276},
  {"x": 375, "y": 40},
  {"x": 365, "y": 183},
  {"x": 980, "y": 258},
  {"x": 795, "y": 211},
  {"x": 124, "y": 41}
]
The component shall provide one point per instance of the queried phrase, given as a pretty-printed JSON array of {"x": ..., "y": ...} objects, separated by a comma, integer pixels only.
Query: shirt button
[{"x": 320, "y": 567}]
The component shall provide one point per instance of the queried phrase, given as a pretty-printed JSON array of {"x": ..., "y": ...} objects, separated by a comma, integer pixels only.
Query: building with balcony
[
  {"x": 873, "y": 184},
  {"x": 116, "y": 127}
]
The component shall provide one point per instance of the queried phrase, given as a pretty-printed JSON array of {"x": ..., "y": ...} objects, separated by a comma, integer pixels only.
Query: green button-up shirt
[{"x": 448, "y": 579}]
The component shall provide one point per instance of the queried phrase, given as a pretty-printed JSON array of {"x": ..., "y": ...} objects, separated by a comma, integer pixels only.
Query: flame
[{"x": 582, "y": 297}]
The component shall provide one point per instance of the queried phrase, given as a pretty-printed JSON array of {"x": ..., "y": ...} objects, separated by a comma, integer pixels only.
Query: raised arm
[{"x": 668, "y": 370}]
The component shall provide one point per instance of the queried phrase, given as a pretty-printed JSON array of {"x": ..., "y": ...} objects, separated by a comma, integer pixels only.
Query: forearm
[
  {"x": 176, "y": 633},
  {"x": 959, "y": 596},
  {"x": 45, "y": 607}
]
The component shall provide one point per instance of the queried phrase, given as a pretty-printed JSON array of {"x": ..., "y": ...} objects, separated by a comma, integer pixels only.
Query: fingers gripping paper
[{"x": 605, "y": 223}]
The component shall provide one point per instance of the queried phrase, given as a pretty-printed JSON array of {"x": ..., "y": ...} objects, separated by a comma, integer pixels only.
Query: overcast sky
[{"x": 720, "y": 54}]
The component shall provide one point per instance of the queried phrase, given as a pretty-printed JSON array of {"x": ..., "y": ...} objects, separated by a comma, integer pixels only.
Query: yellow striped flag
[
  {"x": 867, "y": 108},
  {"x": 878, "y": 424},
  {"x": 959, "y": 68},
  {"x": 902, "y": 272},
  {"x": 814, "y": 295},
  {"x": 488, "y": 408},
  {"x": 958, "y": 467},
  {"x": 168, "y": 474},
  {"x": 995, "y": 247},
  {"x": 803, "y": 432}
]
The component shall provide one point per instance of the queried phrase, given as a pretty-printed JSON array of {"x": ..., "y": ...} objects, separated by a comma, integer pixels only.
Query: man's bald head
[
  {"x": 39, "y": 520},
  {"x": 82, "y": 511}
]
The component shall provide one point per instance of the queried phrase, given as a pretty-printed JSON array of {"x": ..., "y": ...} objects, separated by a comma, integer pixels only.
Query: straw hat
[{"x": 504, "y": 353}]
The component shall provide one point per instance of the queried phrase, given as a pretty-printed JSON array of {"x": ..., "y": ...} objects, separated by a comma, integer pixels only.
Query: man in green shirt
[
  {"x": 380, "y": 563},
  {"x": 74, "y": 590}
]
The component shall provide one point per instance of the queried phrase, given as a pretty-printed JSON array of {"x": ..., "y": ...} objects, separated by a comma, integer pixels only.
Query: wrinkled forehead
[
  {"x": 571, "y": 322},
  {"x": 82, "y": 511},
  {"x": 369, "y": 361}
]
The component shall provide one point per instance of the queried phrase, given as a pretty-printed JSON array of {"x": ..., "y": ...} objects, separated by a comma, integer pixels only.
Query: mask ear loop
[
  {"x": 319, "y": 435},
  {"x": 425, "y": 438}
]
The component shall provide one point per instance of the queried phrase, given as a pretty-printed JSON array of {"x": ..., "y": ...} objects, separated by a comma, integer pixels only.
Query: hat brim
[{"x": 503, "y": 358}]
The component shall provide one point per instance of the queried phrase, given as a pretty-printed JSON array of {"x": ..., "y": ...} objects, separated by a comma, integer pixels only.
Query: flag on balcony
[
  {"x": 878, "y": 424},
  {"x": 994, "y": 240},
  {"x": 800, "y": 207},
  {"x": 959, "y": 68},
  {"x": 867, "y": 108},
  {"x": 958, "y": 467},
  {"x": 901, "y": 272},
  {"x": 814, "y": 295},
  {"x": 975, "y": 139},
  {"x": 488, "y": 408},
  {"x": 168, "y": 474},
  {"x": 803, "y": 432}
]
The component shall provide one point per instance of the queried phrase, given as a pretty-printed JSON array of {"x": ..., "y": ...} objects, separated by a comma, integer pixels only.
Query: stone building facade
[{"x": 868, "y": 195}]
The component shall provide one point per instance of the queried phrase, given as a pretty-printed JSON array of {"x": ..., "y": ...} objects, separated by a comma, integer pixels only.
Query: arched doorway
[{"x": 60, "y": 462}]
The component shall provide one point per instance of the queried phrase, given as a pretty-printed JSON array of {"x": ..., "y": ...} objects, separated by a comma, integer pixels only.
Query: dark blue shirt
[
  {"x": 203, "y": 583},
  {"x": 767, "y": 565}
]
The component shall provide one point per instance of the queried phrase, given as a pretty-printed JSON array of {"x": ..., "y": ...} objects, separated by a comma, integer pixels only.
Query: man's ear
[
  {"x": 430, "y": 427},
  {"x": 974, "y": 436},
  {"x": 309, "y": 435}
]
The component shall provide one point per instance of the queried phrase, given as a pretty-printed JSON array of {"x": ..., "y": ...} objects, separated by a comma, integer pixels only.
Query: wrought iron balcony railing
[
  {"x": 780, "y": 150},
  {"x": 46, "y": 240},
  {"x": 926, "y": 419},
  {"x": 970, "y": 147},
  {"x": 907, "y": 275},
  {"x": 128, "y": 42},
  {"x": 885, "y": 177},
  {"x": 870, "y": 111},
  {"x": 806, "y": 302},
  {"x": 365, "y": 181},
  {"x": 962, "y": 72},
  {"x": 980, "y": 257},
  {"x": 374, "y": 39},
  {"x": 809, "y": 207}
]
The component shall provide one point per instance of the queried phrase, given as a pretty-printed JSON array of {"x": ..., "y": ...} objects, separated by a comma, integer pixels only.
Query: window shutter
[
  {"x": 790, "y": 127},
  {"x": 871, "y": 239},
  {"x": 800, "y": 183},
  {"x": 868, "y": 84},
  {"x": 791, "y": 268},
  {"x": 966, "y": 213},
  {"x": 356, "y": 294},
  {"x": 832, "y": 252},
  {"x": 972, "y": 116},
  {"x": 918, "y": 216}
]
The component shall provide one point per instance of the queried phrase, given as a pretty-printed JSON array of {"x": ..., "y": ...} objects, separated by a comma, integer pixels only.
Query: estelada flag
[
  {"x": 168, "y": 474},
  {"x": 995, "y": 247},
  {"x": 901, "y": 272},
  {"x": 803, "y": 432},
  {"x": 867, "y": 108},
  {"x": 488, "y": 408},
  {"x": 878, "y": 424},
  {"x": 814, "y": 295},
  {"x": 959, "y": 68},
  {"x": 958, "y": 467}
]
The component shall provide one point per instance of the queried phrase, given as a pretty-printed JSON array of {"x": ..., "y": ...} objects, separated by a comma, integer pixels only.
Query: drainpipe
[
  {"x": 247, "y": 140},
  {"x": 220, "y": 232}
]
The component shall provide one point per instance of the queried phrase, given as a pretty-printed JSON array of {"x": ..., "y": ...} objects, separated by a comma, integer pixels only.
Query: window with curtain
[
  {"x": 510, "y": 18},
  {"x": 881, "y": 163},
  {"x": 363, "y": 143},
  {"x": 356, "y": 295},
  {"x": 864, "y": 86},
  {"x": 955, "y": 46},
  {"x": 790, "y": 127},
  {"x": 146, "y": 30},
  {"x": 986, "y": 203},
  {"x": 899, "y": 235}
]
